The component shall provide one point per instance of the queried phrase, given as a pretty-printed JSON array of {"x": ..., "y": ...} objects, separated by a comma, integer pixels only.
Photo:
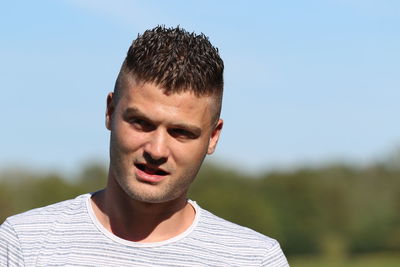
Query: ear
[
  {"x": 215, "y": 137},
  {"x": 109, "y": 110}
]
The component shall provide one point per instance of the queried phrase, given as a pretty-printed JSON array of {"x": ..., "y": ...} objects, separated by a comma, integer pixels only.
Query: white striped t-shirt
[{"x": 68, "y": 234}]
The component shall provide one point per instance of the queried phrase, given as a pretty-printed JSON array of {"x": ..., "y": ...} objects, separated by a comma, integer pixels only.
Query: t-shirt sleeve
[
  {"x": 10, "y": 249},
  {"x": 275, "y": 257}
]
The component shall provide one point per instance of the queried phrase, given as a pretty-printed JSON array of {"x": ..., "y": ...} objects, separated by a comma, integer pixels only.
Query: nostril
[
  {"x": 154, "y": 161},
  {"x": 157, "y": 147}
]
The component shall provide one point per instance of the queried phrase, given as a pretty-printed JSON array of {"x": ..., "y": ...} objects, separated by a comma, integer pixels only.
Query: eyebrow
[
  {"x": 189, "y": 127},
  {"x": 135, "y": 111}
]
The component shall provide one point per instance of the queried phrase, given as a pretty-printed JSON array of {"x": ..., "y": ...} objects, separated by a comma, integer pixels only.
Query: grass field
[{"x": 367, "y": 260}]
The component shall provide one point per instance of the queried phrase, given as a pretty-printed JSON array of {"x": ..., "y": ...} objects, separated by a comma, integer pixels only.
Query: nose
[{"x": 156, "y": 148}]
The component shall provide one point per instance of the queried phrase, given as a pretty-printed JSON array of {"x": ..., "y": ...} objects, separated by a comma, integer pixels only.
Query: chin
[{"x": 150, "y": 196}]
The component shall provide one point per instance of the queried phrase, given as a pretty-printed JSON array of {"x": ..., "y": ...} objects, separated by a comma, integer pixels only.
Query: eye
[
  {"x": 182, "y": 134},
  {"x": 141, "y": 124}
]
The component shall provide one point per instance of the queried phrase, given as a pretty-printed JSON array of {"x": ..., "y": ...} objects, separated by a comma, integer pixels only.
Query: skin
[{"x": 158, "y": 143}]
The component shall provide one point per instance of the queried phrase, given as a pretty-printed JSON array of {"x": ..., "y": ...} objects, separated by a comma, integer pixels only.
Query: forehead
[{"x": 153, "y": 101}]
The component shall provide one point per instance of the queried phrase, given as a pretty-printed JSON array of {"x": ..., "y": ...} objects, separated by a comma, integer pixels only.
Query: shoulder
[
  {"x": 239, "y": 242},
  {"x": 219, "y": 227},
  {"x": 48, "y": 214},
  {"x": 24, "y": 232}
]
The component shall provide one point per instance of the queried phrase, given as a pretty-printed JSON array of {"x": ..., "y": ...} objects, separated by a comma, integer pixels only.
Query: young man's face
[{"x": 158, "y": 141}]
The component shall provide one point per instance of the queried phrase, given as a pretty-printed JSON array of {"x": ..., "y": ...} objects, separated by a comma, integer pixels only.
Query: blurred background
[{"x": 309, "y": 154}]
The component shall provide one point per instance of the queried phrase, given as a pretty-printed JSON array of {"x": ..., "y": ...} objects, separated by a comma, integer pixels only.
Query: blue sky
[{"x": 306, "y": 82}]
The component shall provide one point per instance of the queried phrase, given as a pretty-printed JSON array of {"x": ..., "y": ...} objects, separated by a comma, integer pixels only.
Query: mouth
[{"x": 151, "y": 170}]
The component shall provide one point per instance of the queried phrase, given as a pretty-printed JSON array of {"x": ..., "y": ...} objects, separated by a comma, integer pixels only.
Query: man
[{"x": 164, "y": 118}]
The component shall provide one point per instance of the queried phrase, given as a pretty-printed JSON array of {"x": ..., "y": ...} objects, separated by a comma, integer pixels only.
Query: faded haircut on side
[{"x": 177, "y": 61}]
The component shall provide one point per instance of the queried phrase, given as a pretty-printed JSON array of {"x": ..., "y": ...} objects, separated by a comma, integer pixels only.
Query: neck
[{"x": 138, "y": 221}]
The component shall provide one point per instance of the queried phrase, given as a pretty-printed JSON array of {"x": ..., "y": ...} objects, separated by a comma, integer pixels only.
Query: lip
[{"x": 152, "y": 175}]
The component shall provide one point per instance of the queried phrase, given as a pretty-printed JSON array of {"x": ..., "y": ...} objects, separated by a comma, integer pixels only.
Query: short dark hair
[{"x": 175, "y": 60}]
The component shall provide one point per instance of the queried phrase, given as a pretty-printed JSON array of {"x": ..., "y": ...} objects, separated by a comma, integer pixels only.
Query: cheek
[
  {"x": 126, "y": 139},
  {"x": 190, "y": 154}
]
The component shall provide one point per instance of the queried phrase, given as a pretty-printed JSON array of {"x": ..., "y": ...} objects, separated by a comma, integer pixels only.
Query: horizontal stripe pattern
[{"x": 68, "y": 234}]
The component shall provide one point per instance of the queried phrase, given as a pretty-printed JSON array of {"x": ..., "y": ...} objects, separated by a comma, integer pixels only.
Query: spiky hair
[{"x": 175, "y": 60}]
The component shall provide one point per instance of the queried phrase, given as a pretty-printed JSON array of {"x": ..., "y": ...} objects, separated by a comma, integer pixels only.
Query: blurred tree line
[{"x": 335, "y": 210}]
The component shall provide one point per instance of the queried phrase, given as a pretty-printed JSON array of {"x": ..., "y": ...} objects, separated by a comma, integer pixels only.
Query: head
[{"x": 164, "y": 114}]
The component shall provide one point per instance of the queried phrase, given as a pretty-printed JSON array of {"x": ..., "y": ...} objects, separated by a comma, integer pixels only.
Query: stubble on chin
[{"x": 165, "y": 191}]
